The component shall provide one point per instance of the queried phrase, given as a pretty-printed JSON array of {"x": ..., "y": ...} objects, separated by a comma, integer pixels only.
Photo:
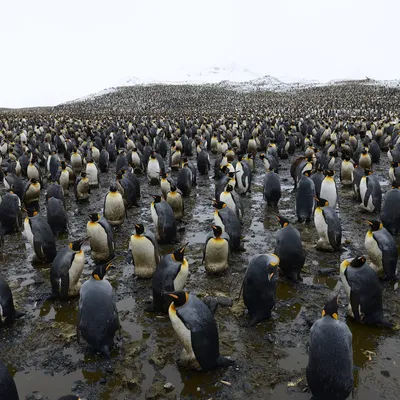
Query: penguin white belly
[
  {"x": 224, "y": 147},
  {"x": 153, "y": 169},
  {"x": 28, "y": 231},
  {"x": 32, "y": 172},
  {"x": 228, "y": 200},
  {"x": 252, "y": 146},
  {"x": 98, "y": 241},
  {"x": 76, "y": 163},
  {"x": 374, "y": 252},
  {"x": 216, "y": 257},
  {"x": 347, "y": 289},
  {"x": 239, "y": 174},
  {"x": 391, "y": 175},
  {"x": 347, "y": 173},
  {"x": 114, "y": 209},
  {"x": 180, "y": 279},
  {"x": 144, "y": 256},
  {"x": 183, "y": 334},
  {"x": 92, "y": 174},
  {"x": 165, "y": 186},
  {"x": 328, "y": 192},
  {"x": 363, "y": 190},
  {"x": 6, "y": 184},
  {"x": 175, "y": 159},
  {"x": 64, "y": 180},
  {"x": 154, "y": 215},
  {"x": 95, "y": 154},
  {"x": 218, "y": 221},
  {"x": 75, "y": 273},
  {"x": 321, "y": 227},
  {"x": 136, "y": 159},
  {"x": 176, "y": 203},
  {"x": 83, "y": 188},
  {"x": 33, "y": 193}
]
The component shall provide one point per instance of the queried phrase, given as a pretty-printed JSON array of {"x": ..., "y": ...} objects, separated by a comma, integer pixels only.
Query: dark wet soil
[{"x": 43, "y": 355}]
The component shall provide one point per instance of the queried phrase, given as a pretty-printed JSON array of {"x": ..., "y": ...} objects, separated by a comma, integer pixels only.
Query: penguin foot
[{"x": 225, "y": 362}]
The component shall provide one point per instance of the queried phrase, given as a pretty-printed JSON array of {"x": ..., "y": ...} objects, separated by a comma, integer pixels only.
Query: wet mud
[{"x": 43, "y": 355}]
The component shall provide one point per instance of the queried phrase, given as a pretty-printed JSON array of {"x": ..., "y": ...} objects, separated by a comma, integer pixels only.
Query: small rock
[
  {"x": 386, "y": 374},
  {"x": 133, "y": 385},
  {"x": 347, "y": 241},
  {"x": 198, "y": 389},
  {"x": 326, "y": 271},
  {"x": 224, "y": 301},
  {"x": 270, "y": 338},
  {"x": 247, "y": 387},
  {"x": 211, "y": 303},
  {"x": 110, "y": 369},
  {"x": 103, "y": 381},
  {"x": 169, "y": 386}
]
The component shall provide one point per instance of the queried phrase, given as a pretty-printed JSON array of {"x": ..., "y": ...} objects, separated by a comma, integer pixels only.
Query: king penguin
[
  {"x": 289, "y": 249},
  {"x": 272, "y": 188},
  {"x": 66, "y": 270},
  {"x": 82, "y": 187},
  {"x": 328, "y": 188},
  {"x": 164, "y": 220},
  {"x": 57, "y": 217},
  {"x": 8, "y": 389},
  {"x": 243, "y": 176},
  {"x": 327, "y": 224},
  {"x": 259, "y": 286},
  {"x": 390, "y": 214},
  {"x": 144, "y": 251},
  {"x": 175, "y": 200},
  {"x": 114, "y": 207},
  {"x": 197, "y": 330},
  {"x": 364, "y": 292},
  {"x": 330, "y": 356},
  {"x": 92, "y": 172},
  {"x": 97, "y": 312},
  {"x": 305, "y": 194},
  {"x": 153, "y": 169},
  {"x": 232, "y": 200},
  {"x": 346, "y": 171},
  {"x": 170, "y": 275},
  {"x": 370, "y": 192},
  {"x": 8, "y": 313},
  {"x": 101, "y": 240},
  {"x": 216, "y": 251},
  {"x": 381, "y": 249},
  {"x": 10, "y": 213}
]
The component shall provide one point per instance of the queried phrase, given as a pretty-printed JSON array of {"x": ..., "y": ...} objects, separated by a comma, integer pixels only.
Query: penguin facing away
[
  {"x": 66, "y": 270},
  {"x": 98, "y": 319},
  {"x": 197, "y": 330},
  {"x": 364, "y": 292},
  {"x": 390, "y": 213},
  {"x": 216, "y": 251},
  {"x": 259, "y": 286},
  {"x": 381, "y": 249},
  {"x": 164, "y": 220},
  {"x": 305, "y": 194},
  {"x": 330, "y": 357},
  {"x": 8, "y": 313}
]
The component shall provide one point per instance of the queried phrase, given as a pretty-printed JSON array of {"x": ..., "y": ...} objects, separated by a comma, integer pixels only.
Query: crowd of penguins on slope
[{"x": 68, "y": 155}]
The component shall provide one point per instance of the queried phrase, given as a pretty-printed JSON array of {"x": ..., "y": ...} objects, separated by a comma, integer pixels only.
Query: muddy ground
[{"x": 45, "y": 359}]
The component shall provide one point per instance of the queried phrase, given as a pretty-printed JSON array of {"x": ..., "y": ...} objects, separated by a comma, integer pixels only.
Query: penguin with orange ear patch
[{"x": 97, "y": 313}]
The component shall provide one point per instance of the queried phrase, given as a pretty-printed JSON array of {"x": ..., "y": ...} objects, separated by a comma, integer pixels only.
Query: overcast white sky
[{"x": 55, "y": 51}]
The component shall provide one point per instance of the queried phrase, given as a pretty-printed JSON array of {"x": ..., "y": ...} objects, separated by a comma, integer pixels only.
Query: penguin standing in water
[
  {"x": 370, "y": 192},
  {"x": 328, "y": 226},
  {"x": 114, "y": 207},
  {"x": 259, "y": 286},
  {"x": 305, "y": 194},
  {"x": 170, "y": 275},
  {"x": 328, "y": 188},
  {"x": 230, "y": 223},
  {"x": 197, "y": 330},
  {"x": 272, "y": 188},
  {"x": 390, "y": 214},
  {"x": 8, "y": 389},
  {"x": 40, "y": 236},
  {"x": 97, "y": 312},
  {"x": 289, "y": 250},
  {"x": 330, "y": 357},
  {"x": 346, "y": 171},
  {"x": 8, "y": 313},
  {"x": 364, "y": 292},
  {"x": 175, "y": 200},
  {"x": 66, "y": 270},
  {"x": 232, "y": 200},
  {"x": 10, "y": 213},
  {"x": 82, "y": 187},
  {"x": 144, "y": 251},
  {"x": 216, "y": 251},
  {"x": 57, "y": 217},
  {"x": 164, "y": 220},
  {"x": 381, "y": 249},
  {"x": 101, "y": 236}
]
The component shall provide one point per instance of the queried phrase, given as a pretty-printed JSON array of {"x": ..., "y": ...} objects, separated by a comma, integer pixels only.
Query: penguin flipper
[
  {"x": 206, "y": 348},
  {"x": 368, "y": 193},
  {"x": 355, "y": 305},
  {"x": 64, "y": 287}
]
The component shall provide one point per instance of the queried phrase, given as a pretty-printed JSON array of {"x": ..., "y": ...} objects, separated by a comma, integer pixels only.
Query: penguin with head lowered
[
  {"x": 144, "y": 251},
  {"x": 328, "y": 226},
  {"x": 97, "y": 312},
  {"x": 170, "y": 275},
  {"x": 66, "y": 270},
  {"x": 364, "y": 292},
  {"x": 8, "y": 313},
  {"x": 216, "y": 251},
  {"x": 390, "y": 213},
  {"x": 8, "y": 389},
  {"x": 40, "y": 236},
  {"x": 305, "y": 194},
  {"x": 164, "y": 220},
  {"x": 330, "y": 356},
  {"x": 197, "y": 330},
  {"x": 101, "y": 238},
  {"x": 259, "y": 286},
  {"x": 381, "y": 249},
  {"x": 289, "y": 250},
  {"x": 370, "y": 192}
]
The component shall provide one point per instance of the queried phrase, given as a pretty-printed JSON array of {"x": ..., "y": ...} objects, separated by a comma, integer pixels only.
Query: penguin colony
[{"x": 65, "y": 157}]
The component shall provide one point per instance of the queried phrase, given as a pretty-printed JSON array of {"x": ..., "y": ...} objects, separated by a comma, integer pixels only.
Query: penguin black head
[
  {"x": 173, "y": 188},
  {"x": 89, "y": 160},
  {"x": 321, "y": 202},
  {"x": 283, "y": 221},
  {"x": 307, "y": 173},
  {"x": 179, "y": 298},
  {"x": 358, "y": 261},
  {"x": 217, "y": 230},
  {"x": 153, "y": 155},
  {"x": 76, "y": 244},
  {"x": 331, "y": 308},
  {"x": 70, "y": 397},
  {"x": 367, "y": 171},
  {"x": 63, "y": 165},
  {"x": 157, "y": 198},
  {"x": 94, "y": 217},
  {"x": 262, "y": 156},
  {"x": 396, "y": 185},
  {"x": 100, "y": 271},
  {"x": 164, "y": 175},
  {"x": 374, "y": 225},
  {"x": 34, "y": 180},
  {"x": 119, "y": 175},
  {"x": 231, "y": 174},
  {"x": 139, "y": 228},
  {"x": 113, "y": 188},
  {"x": 83, "y": 174},
  {"x": 219, "y": 205},
  {"x": 240, "y": 157},
  {"x": 229, "y": 188},
  {"x": 365, "y": 151},
  {"x": 31, "y": 212},
  {"x": 329, "y": 172},
  {"x": 346, "y": 157},
  {"x": 179, "y": 254},
  {"x": 395, "y": 164}
]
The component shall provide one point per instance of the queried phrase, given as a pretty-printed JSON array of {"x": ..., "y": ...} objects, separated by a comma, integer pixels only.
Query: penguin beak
[
  {"x": 270, "y": 276},
  {"x": 174, "y": 296},
  {"x": 183, "y": 248},
  {"x": 315, "y": 198},
  {"x": 368, "y": 222}
]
